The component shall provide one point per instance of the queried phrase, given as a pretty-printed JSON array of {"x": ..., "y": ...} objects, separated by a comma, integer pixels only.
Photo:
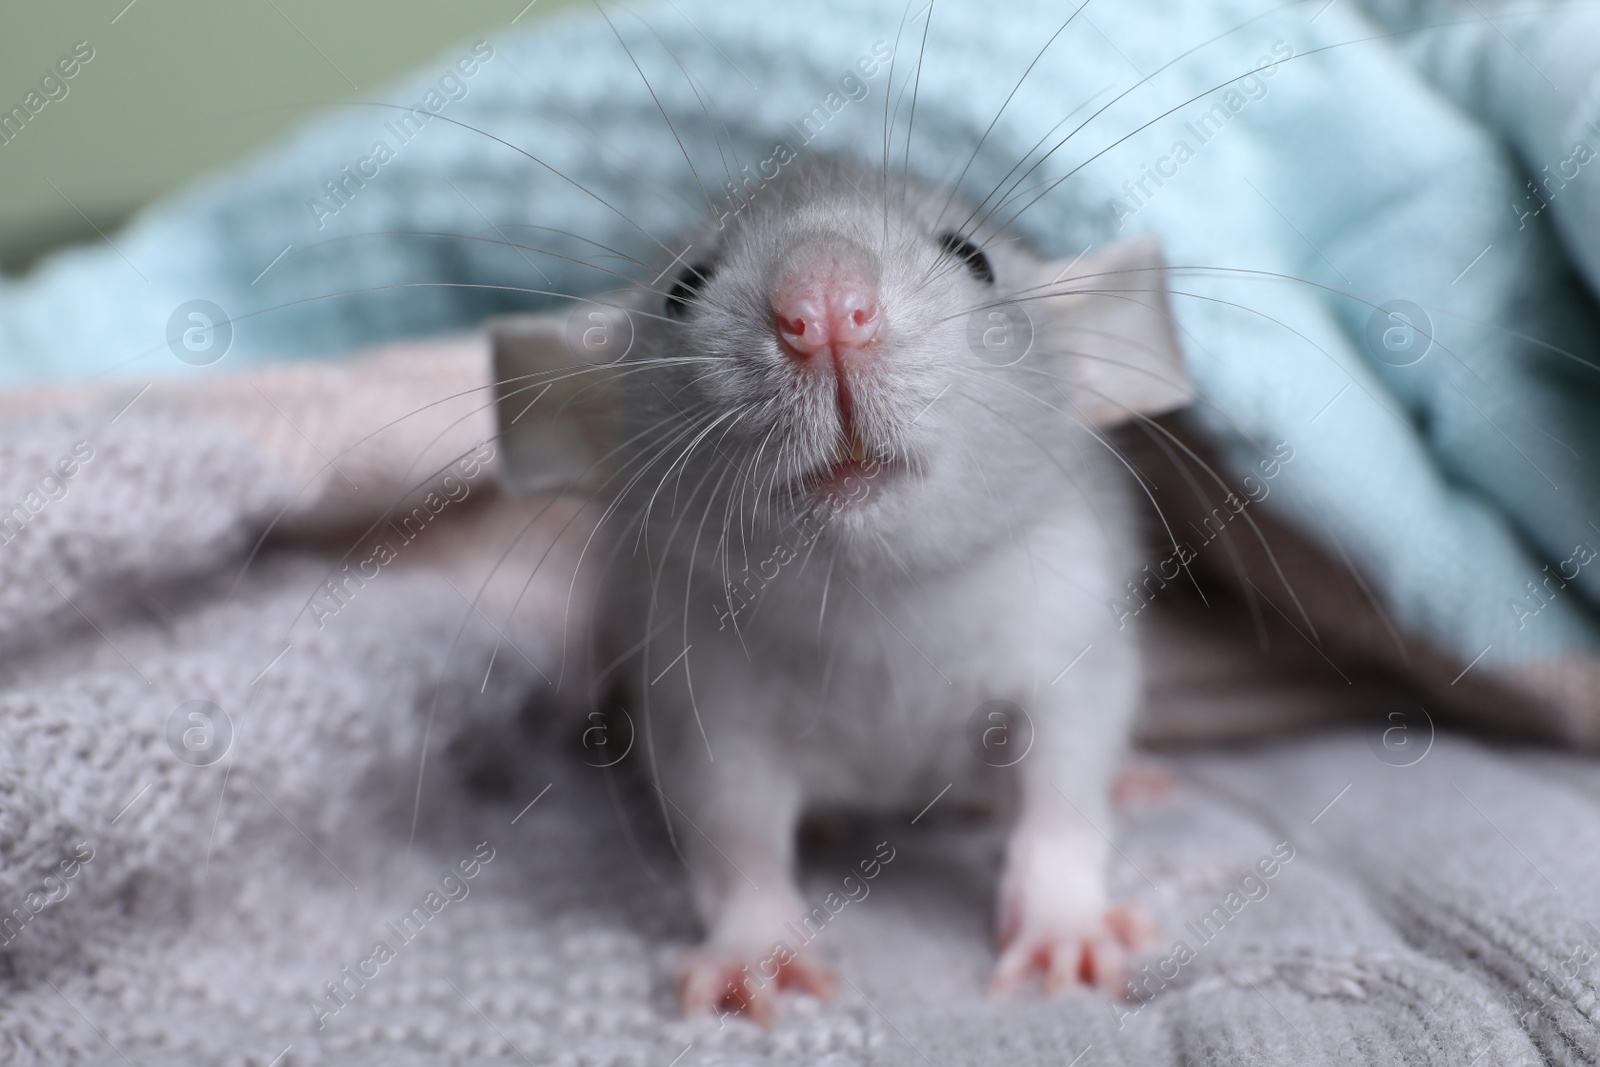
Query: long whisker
[
  {"x": 585, "y": 190},
  {"x": 680, "y": 431},
  {"x": 1141, "y": 128},
  {"x": 1123, "y": 294},
  {"x": 1145, "y": 420},
  {"x": 330, "y": 464},
  {"x": 388, "y": 512},
  {"x": 700, "y": 99},
  {"x": 888, "y": 126},
  {"x": 967, "y": 223},
  {"x": 153, "y": 349},
  {"x": 506, "y": 243},
  {"x": 710, "y": 209},
  {"x": 1007, "y": 423},
  {"x": 972, "y": 157},
  {"x": 916, "y": 88},
  {"x": 675, "y": 431},
  {"x": 1585, "y": 363},
  {"x": 438, "y": 688},
  {"x": 1041, "y": 292}
]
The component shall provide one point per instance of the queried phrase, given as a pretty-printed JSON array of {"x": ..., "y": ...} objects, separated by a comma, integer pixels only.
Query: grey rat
[{"x": 866, "y": 525}]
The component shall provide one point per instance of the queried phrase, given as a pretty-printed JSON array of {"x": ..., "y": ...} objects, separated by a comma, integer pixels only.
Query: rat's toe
[
  {"x": 810, "y": 976},
  {"x": 714, "y": 983},
  {"x": 1093, "y": 953},
  {"x": 1131, "y": 926},
  {"x": 1017, "y": 961},
  {"x": 1100, "y": 962}
]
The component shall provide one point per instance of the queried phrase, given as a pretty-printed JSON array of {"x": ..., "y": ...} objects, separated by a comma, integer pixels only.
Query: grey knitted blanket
[{"x": 238, "y": 830}]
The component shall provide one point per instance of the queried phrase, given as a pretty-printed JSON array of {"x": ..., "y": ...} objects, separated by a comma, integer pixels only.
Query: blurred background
[{"x": 187, "y": 87}]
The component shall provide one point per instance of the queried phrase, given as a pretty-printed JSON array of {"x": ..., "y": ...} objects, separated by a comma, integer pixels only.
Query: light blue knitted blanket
[{"x": 1381, "y": 214}]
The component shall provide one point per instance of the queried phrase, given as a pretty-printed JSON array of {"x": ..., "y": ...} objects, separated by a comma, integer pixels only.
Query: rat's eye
[
  {"x": 970, "y": 254},
  {"x": 687, "y": 287}
]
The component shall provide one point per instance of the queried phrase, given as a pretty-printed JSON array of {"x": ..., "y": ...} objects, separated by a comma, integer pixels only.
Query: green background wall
[{"x": 177, "y": 87}]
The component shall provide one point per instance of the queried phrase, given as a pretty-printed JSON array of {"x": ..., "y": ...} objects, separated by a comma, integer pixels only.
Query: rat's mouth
[{"x": 850, "y": 476}]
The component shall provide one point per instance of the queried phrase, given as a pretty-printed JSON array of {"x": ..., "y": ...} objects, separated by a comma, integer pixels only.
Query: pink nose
[{"x": 826, "y": 307}]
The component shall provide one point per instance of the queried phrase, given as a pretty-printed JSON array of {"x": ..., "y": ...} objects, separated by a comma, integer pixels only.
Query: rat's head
[
  {"x": 856, "y": 350},
  {"x": 828, "y": 321},
  {"x": 867, "y": 356}
]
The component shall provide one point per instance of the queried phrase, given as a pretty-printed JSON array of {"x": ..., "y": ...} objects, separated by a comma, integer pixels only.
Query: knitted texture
[{"x": 1425, "y": 914}]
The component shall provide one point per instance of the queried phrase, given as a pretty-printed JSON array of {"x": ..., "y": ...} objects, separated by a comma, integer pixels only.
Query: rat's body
[{"x": 862, "y": 529}]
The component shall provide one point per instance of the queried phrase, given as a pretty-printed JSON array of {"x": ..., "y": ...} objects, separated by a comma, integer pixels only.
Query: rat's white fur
[{"x": 975, "y": 566}]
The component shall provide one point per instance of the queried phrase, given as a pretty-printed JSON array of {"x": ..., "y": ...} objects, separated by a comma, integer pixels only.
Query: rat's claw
[
  {"x": 1011, "y": 971},
  {"x": 711, "y": 984},
  {"x": 723, "y": 982},
  {"x": 1093, "y": 954},
  {"x": 1131, "y": 926}
]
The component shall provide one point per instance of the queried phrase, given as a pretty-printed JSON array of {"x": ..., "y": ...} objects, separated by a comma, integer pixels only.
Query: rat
[{"x": 866, "y": 522}]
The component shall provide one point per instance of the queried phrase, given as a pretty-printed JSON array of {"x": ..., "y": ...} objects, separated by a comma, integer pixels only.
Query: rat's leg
[
  {"x": 736, "y": 824},
  {"x": 1054, "y": 913}
]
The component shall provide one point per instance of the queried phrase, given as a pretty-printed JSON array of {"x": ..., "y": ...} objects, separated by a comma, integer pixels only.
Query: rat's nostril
[
  {"x": 852, "y": 319},
  {"x": 800, "y": 313},
  {"x": 855, "y": 318},
  {"x": 802, "y": 329}
]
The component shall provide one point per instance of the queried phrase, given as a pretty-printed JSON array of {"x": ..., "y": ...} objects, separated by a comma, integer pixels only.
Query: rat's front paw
[
  {"x": 719, "y": 980},
  {"x": 1054, "y": 919},
  {"x": 1092, "y": 951}
]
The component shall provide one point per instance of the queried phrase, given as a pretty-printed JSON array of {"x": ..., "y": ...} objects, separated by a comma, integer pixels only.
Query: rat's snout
[{"x": 826, "y": 303}]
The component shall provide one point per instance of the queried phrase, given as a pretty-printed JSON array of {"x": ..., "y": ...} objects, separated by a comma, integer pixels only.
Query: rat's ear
[
  {"x": 1112, "y": 332},
  {"x": 554, "y": 408}
]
